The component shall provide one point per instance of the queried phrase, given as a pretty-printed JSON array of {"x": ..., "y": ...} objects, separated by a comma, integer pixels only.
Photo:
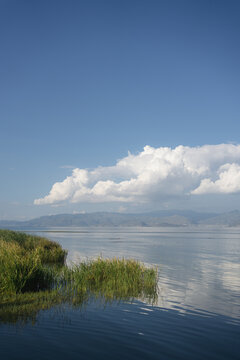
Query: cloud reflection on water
[{"x": 198, "y": 267}]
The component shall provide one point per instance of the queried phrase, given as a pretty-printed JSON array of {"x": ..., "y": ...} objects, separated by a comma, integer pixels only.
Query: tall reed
[
  {"x": 49, "y": 251},
  {"x": 29, "y": 276},
  {"x": 112, "y": 278},
  {"x": 22, "y": 271}
]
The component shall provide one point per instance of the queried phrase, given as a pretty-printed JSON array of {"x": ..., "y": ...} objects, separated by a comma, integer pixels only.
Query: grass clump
[
  {"x": 50, "y": 252},
  {"x": 33, "y": 277},
  {"x": 22, "y": 271},
  {"x": 24, "y": 262},
  {"x": 113, "y": 278}
]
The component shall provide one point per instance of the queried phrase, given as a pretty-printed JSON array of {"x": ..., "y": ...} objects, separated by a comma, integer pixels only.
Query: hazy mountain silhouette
[{"x": 157, "y": 218}]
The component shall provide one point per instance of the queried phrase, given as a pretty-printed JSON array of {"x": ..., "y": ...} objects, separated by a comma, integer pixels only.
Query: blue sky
[{"x": 84, "y": 82}]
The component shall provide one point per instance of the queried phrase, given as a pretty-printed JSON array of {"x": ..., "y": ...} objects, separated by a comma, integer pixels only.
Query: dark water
[{"x": 197, "y": 315}]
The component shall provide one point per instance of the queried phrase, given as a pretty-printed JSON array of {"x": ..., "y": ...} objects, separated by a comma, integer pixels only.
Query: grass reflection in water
[{"x": 33, "y": 277}]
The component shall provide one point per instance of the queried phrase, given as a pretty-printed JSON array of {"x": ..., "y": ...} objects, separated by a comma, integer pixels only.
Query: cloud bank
[{"x": 155, "y": 174}]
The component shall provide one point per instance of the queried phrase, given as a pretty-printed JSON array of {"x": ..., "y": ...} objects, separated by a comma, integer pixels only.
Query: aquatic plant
[
  {"x": 22, "y": 271},
  {"x": 113, "y": 278},
  {"x": 33, "y": 277},
  {"x": 49, "y": 251}
]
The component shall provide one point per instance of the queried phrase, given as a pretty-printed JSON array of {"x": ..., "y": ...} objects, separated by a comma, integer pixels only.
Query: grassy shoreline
[{"x": 33, "y": 277}]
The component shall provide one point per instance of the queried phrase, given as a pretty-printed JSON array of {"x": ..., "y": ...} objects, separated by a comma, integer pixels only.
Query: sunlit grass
[
  {"x": 22, "y": 271},
  {"x": 33, "y": 277},
  {"x": 113, "y": 278},
  {"x": 48, "y": 251}
]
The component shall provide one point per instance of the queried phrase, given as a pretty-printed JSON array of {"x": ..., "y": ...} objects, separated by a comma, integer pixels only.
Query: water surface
[{"x": 197, "y": 315}]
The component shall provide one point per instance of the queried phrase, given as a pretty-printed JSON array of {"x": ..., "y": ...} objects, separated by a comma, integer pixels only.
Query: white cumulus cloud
[
  {"x": 228, "y": 181},
  {"x": 154, "y": 174}
]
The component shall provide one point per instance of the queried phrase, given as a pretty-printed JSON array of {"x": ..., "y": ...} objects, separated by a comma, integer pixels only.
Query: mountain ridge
[{"x": 154, "y": 218}]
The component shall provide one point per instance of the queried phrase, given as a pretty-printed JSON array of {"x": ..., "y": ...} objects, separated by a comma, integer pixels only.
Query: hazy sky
[{"x": 119, "y": 105}]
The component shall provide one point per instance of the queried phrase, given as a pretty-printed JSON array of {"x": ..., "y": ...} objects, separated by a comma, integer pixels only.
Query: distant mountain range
[{"x": 157, "y": 218}]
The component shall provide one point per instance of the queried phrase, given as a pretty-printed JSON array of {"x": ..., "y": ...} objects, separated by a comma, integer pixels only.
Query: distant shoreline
[{"x": 163, "y": 218}]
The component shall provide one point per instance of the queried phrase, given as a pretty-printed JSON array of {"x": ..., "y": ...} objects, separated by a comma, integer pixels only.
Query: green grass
[
  {"x": 50, "y": 252},
  {"x": 22, "y": 271},
  {"x": 33, "y": 277},
  {"x": 113, "y": 278},
  {"x": 25, "y": 260}
]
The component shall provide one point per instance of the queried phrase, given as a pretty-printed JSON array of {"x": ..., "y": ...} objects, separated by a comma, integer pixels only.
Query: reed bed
[
  {"x": 33, "y": 277},
  {"x": 50, "y": 252},
  {"x": 22, "y": 271},
  {"x": 112, "y": 278}
]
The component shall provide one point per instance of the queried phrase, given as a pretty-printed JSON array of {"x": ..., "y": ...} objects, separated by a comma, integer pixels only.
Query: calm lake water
[{"x": 197, "y": 315}]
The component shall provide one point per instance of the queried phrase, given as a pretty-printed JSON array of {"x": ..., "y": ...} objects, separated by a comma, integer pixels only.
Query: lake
[{"x": 196, "y": 316}]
